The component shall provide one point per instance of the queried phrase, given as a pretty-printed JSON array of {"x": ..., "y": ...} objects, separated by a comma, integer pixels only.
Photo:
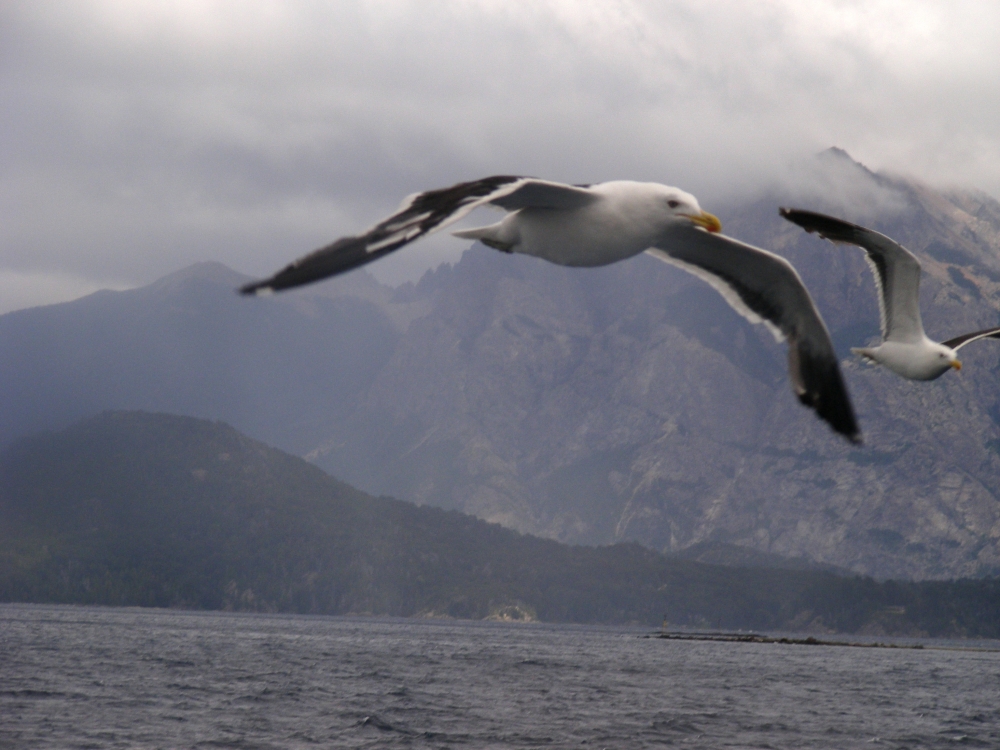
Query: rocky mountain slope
[
  {"x": 588, "y": 405},
  {"x": 630, "y": 403}
]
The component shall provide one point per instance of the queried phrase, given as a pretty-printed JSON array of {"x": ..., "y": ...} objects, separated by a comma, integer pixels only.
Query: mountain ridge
[{"x": 588, "y": 405}]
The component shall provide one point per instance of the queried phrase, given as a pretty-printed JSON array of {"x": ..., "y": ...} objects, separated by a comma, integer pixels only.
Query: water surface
[{"x": 81, "y": 677}]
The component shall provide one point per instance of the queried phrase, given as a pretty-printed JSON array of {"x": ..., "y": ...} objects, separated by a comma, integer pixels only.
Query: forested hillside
[{"x": 131, "y": 508}]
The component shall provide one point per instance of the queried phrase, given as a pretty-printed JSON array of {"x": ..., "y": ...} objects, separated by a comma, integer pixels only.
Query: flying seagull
[
  {"x": 594, "y": 225},
  {"x": 905, "y": 348}
]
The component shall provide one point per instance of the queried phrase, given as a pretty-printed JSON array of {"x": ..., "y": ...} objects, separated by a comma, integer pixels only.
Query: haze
[{"x": 141, "y": 137}]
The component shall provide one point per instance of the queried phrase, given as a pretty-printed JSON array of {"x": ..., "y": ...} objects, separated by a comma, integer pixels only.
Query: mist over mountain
[{"x": 587, "y": 405}]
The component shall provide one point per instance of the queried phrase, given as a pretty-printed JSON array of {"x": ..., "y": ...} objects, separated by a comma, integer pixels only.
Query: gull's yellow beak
[
  {"x": 956, "y": 364},
  {"x": 705, "y": 220}
]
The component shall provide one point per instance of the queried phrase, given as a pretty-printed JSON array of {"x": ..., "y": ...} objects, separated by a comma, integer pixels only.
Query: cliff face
[{"x": 589, "y": 405}]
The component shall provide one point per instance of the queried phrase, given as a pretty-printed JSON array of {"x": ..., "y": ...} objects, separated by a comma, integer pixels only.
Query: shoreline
[{"x": 807, "y": 641}]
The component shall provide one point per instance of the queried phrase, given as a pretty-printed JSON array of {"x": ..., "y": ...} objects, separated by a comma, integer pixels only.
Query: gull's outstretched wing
[
  {"x": 421, "y": 214},
  {"x": 896, "y": 270},
  {"x": 968, "y": 338},
  {"x": 765, "y": 288}
]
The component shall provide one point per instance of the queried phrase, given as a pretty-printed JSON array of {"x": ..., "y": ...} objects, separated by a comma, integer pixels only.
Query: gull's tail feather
[
  {"x": 477, "y": 232},
  {"x": 489, "y": 236},
  {"x": 868, "y": 355}
]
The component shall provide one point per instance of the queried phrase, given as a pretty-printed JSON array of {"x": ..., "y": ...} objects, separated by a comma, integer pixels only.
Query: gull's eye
[{"x": 673, "y": 204}]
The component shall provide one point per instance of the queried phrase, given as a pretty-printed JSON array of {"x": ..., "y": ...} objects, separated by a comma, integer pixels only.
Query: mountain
[
  {"x": 585, "y": 405},
  {"x": 630, "y": 402},
  {"x": 188, "y": 344},
  {"x": 132, "y": 508}
]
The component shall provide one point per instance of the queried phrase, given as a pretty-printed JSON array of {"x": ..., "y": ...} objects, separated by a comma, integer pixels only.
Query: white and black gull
[
  {"x": 594, "y": 225},
  {"x": 905, "y": 348}
]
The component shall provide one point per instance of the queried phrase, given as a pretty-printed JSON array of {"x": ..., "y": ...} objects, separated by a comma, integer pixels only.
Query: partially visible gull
[
  {"x": 905, "y": 348},
  {"x": 594, "y": 225}
]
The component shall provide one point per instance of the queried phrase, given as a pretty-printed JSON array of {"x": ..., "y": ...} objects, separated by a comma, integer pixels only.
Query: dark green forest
[{"x": 132, "y": 508}]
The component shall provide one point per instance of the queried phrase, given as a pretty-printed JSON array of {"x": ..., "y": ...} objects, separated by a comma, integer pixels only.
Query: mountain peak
[
  {"x": 206, "y": 270},
  {"x": 836, "y": 152},
  {"x": 838, "y": 156}
]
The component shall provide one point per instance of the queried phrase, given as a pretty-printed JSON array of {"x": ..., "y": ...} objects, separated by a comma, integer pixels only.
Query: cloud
[
  {"x": 141, "y": 136},
  {"x": 833, "y": 182}
]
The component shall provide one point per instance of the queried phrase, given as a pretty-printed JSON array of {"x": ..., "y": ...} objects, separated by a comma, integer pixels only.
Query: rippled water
[{"x": 97, "y": 678}]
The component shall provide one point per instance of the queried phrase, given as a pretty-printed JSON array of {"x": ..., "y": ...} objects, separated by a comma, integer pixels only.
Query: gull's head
[
  {"x": 684, "y": 207},
  {"x": 945, "y": 358}
]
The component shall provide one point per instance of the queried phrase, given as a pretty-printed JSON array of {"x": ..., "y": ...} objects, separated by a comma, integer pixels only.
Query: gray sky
[{"x": 141, "y": 137}]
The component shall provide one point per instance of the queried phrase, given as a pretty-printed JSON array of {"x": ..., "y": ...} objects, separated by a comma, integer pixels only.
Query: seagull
[
  {"x": 905, "y": 348},
  {"x": 594, "y": 225}
]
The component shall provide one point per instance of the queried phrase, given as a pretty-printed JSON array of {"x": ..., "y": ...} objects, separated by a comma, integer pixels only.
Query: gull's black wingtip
[
  {"x": 820, "y": 386},
  {"x": 843, "y": 423},
  {"x": 805, "y": 219},
  {"x": 846, "y": 428},
  {"x": 256, "y": 288},
  {"x": 838, "y": 411},
  {"x": 827, "y": 227}
]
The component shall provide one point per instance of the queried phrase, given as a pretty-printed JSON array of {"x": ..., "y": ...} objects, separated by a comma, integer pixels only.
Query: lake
[{"x": 90, "y": 677}]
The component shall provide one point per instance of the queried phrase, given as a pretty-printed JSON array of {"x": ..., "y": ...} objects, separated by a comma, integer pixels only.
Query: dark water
[{"x": 106, "y": 678}]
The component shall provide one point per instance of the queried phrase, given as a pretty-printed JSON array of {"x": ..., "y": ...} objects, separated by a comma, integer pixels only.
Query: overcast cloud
[{"x": 141, "y": 137}]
